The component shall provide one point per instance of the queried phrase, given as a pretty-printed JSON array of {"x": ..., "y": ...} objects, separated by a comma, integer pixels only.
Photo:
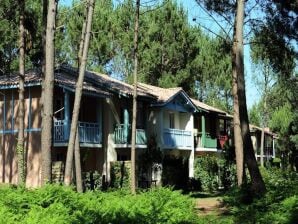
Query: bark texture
[
  {"x": 78, "y": 96},
  {"x": 21, "y": 116},
  {"x": 134, "y": 109},
  {"x": 78, "y": 168},
  {"x": 48, "y": 87},
  {"x": 258, "y": 185},
  {"x": 238, "y": 142}
]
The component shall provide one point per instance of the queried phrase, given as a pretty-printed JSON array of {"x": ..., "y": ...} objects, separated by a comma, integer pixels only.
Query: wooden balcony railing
[
  {"x": 206, "y": 141},
  {"x": 176, "y": 138},
  {"x": 122, "y": 135},
  {"x": 88, "y": 132}
]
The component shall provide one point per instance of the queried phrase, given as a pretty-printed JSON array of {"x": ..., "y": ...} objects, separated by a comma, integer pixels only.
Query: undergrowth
[
  {"x": 58, "y": 204},
  {"x": 278, "y": 205}
]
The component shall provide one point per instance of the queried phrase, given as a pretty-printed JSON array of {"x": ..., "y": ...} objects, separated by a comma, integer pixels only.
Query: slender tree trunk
[
  {"x": 77, "y": 154},
  {"x": 20, "y": 144},
  {"x": 78, "y": 168},
  {"x": 78, "y": 95},
  {"x": 265, "y": 111},
  {"x": 236, "y": 119},
  {"x": 262, "y": 147},
  {"x": 83, "y": 34},
  {"x": 134, "y": 110},
  {"x": 258, "y": 185},
  {"x": 48, "y": 88}
]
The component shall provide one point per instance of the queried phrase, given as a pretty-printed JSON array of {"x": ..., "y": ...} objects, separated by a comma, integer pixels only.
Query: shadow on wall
[{"x": 9, "y": 164}]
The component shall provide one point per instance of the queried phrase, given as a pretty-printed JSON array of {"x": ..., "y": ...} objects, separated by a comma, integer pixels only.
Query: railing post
[
  {"x": 99, "y": 118},
  {"x": 203, "y": 137},
  {"x": 66, "y": 114},
  {"x": 126, "y": 124}
]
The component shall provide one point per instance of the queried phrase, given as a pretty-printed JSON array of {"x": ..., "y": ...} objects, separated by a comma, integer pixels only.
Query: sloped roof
[
  {"x": 163, "y": 95},
  {"x": 9, "y": 81},
  {"x": 204, "y": 106},
  {"x": 107, "y": 83},
  {"x": 253, "y": 127},
  {"x": 33, "y": 77}
]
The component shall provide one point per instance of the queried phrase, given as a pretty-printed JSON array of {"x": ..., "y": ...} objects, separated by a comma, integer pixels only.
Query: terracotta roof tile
[
  {"x": 162, "y": 94},
  {"x": 207, "y": 107}
]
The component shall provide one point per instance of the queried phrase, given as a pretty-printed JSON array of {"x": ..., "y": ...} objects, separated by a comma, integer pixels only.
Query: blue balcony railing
[
  {"x": 122, "y": 135},
  {"x": 176, "y": 138},
  {"x": 88, "y": 132}
]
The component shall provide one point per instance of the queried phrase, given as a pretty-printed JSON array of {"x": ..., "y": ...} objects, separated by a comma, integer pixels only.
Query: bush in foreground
[
  {"x": 57, "y": 204},
  {"x": 278, "y": 205}
]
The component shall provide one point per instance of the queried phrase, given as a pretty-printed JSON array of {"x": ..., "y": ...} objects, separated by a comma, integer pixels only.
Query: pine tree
[{"x": 78, "y": 95}]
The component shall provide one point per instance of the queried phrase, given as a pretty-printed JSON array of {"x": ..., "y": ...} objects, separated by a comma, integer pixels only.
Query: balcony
[
  {"x": 176, "y": 138},
  {"x": 89, "y": 133},
  {"x": 204, "y": 140},
  {"x": 122, "y": 135}
]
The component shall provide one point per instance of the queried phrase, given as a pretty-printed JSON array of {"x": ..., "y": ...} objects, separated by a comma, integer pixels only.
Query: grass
[{"x": 210, "y": 208}]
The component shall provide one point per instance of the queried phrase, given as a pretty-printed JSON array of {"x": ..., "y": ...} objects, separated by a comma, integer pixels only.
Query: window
[{"x": 172, "y": 120}]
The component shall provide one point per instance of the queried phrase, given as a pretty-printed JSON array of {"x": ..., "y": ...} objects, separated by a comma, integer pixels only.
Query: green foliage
[
  {"x": 9, "y": 35},
  {"x": 120, "y": 174},
  {"x": 92, "y": 180},
  {"x": 171, "y": 51},
  {"x": 58, "y": 204},
  {"x": 214, "y": 172},
  {"x": 255, "y": 115},
  {"x": 206, "y": 170},
  {"x": 279, "y": 205}
]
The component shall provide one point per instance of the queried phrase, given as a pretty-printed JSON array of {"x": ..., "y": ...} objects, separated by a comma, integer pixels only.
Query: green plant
[
  {"x": 120, "y": 174},
  {"x": 278, "y": 205},
  {"x": 59, "y": 204},
  {"x": 92, "y": 180},
  {"x": 214, "y": 172}
]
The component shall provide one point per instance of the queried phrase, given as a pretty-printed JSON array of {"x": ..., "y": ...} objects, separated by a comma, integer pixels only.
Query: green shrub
[
  {"x": 120, "y": 174},
  {"x": 214, "y": 172},
  {"x": 278, "y": 205},
  {"x": 58, "y": 204}
]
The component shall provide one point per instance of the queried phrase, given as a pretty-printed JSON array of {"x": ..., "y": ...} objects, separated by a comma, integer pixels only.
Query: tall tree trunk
[
  {"x": 265, "y": 110},
  {"x": 262, "y": 147},
  {"x": 134, "y": 110},
  {"x": 20, "y": 144},
  {"x": 78, "y": 95},
  {"x": 78, "y": 168},
  {"x": 83, "y": 34},
  {"x": 258, "y": 185},
  {"x": 77, "y": 154},
  {"x": 43, "y": 43},
  {"x": 236, "y": 115},
  {"x": 48, "y": 88}
]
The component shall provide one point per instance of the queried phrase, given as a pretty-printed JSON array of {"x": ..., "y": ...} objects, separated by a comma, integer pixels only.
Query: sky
[{"x": 194, "y": 11}]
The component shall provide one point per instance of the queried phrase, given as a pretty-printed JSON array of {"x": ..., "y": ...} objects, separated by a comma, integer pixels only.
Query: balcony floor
[
  {"x": 82, "y": 144},
  {"x": 129, "y": 146}
]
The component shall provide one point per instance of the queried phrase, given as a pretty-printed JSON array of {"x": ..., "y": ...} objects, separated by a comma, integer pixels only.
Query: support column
[
  {"x": 203, "y": 137},
  {"x": 30, "y": 110},
  {"x": 191, "y": 163},
  {"x": 99, "y": 118},
  {"x": 126, "y": 124},
  {"x": 161, "y": 128},
  {"x": 66, "y": 115}
]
